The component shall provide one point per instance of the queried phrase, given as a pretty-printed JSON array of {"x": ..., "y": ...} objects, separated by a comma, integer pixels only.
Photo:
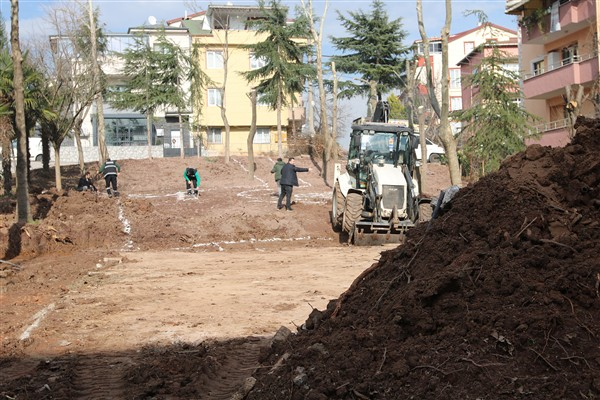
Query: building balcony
[
  {"x": 572, "y": 17},
  {"x": 582, "y": 70}
]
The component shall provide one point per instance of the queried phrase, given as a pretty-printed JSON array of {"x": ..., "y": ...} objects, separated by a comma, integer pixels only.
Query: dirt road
[{"x": 126, "y": 295}]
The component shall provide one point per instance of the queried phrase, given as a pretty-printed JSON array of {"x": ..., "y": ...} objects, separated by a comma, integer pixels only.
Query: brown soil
[{"x": 158, "y": 296}]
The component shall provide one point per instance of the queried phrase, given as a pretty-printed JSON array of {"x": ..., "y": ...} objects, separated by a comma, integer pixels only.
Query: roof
[
  {"x": 508, "y": 43},
  {"x": 513, "y": 6},
  {"x": 457, "y": 36}
]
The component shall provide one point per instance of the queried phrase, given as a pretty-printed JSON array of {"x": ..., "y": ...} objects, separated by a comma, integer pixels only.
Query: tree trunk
[
  {"x": 6, "y": 159},
  {"x": 45, "y": 149},
  {"x": 149, "y": 115},
  {"x": 251, "y": 134},
  {"x": 445, "y": 128},
  {"x": 373, "y": 99},
  {"x": 77, "y": 135},
  {"x": 182, "y": 148},
  {"x": 310, "y": 111},
  {"x": 334, "y": 113},
  {"x": 23, "y": 207},
  {"x": 102, "y": 151},
  {"x": 279, "y": 135},
  {"x": 58, "y": 178},
  {"x": 445, "y": 131}
]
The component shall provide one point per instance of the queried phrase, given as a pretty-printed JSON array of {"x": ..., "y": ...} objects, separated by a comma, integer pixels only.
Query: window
[
  {"x": 126, "y": 131},
  {"x": 570, "y": 55},
  {"x": 214, "y": 136},
  {"x": 257, "y": 62},
  {"x": 469, "y": 46},
  {"x": 538, "y": 67},
  {"x": 455, "y": 103},
  {"x": 454, "y": 78},
  {"x": 263, "y": 136},
  {"x": 214, "y": 98},
  {"x": 214, "y": 59},
  {"x": 434, "y": 47}
]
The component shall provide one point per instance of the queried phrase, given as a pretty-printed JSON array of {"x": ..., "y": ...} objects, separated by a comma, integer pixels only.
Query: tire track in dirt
[{"x": 100, "y": 377}]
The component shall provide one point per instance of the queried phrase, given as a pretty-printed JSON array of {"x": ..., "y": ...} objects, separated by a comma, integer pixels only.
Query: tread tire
[
  {"x": 352, "y": 212},
  {"x": 337, "y": 208}
]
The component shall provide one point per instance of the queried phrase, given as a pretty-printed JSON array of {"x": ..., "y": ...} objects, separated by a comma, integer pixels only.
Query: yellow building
[{"x": 220, "y": 35}]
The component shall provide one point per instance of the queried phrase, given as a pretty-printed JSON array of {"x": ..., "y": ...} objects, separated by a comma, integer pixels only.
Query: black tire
[
  {"x": 337, "y": 208},
  {"x": 435, "y": 158},
  {"x": 38, "y": 157},
  {"x": 352, "y": 211}
]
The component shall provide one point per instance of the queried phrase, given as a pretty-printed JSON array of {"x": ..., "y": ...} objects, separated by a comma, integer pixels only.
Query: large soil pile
[{"x": 499, "y": 298}]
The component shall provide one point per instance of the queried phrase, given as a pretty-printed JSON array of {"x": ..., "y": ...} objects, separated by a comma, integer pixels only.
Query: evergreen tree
[
  {"x": 397, "y": 109},
  {"x": 284, "y": 73},
  {"x": 495, "y": 126},
  {"x": 153, "y": 79},
  {"x": 374, "y": 51}
]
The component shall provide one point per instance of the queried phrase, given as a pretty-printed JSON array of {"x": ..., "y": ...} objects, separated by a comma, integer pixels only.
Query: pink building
[
  {"x": 558, "y": 58},
  {"x": 472, "y": 61}
]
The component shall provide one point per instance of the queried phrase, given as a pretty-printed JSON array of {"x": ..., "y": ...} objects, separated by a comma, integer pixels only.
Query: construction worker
[
  {"x": 192, "y": 180},
  {"x": 111, "y": 170},
  {"x": 277, "y": 171},
  {"x": 85, "y": 183}
]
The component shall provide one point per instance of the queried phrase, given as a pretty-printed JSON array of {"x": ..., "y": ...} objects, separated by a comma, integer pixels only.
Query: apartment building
[
  {"x": 558, "y": 50},
  {"x": 220, "y": 35},
  {"x": 459, "y": 46},
  {"x": 470, "y": 63}
]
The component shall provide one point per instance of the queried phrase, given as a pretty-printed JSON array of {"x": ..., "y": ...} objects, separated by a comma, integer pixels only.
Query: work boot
[{"x": 109, "y": 192}]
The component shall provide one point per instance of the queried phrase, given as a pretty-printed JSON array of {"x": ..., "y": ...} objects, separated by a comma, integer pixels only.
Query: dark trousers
[
  {"x": 191, "y": 184},
  {"x": 111, "y": 180},
  {"x": 286, "y": 190}
]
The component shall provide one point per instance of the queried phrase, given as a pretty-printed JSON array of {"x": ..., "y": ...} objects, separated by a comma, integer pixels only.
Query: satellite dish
[{"x": 152, "y": 20}]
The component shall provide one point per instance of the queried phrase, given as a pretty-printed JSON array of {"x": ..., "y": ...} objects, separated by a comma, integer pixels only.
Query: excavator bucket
[{"x": 372, "y": 234}]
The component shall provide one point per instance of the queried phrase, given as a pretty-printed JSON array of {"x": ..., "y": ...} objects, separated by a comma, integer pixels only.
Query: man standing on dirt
[
  {"x": 288, "y": 180},
  {"x": 277, "y": 171},
  {"x": 192, "y": 180},
  {"x": 111, "y": 170}
]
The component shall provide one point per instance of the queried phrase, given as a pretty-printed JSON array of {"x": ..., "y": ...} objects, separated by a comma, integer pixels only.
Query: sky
[{"x": 119, "y": 15}]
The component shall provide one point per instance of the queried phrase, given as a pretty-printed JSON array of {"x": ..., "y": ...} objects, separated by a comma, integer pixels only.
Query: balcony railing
[
  {"x": 554, "y": 125},
  {"x": 562, "y": 63}
]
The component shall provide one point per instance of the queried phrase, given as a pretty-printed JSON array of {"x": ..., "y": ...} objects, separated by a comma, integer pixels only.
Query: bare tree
[
  {"x": 23, "y": 207},
  {"x": 442, "y": 112},
  {"x": 97, "y": 76},
  {"x": 252, "y": 95},
  {"x": 317, "y": 38}
]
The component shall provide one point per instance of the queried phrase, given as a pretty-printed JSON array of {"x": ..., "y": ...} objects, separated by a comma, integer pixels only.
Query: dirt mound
[{"x": 497, "y": 298}]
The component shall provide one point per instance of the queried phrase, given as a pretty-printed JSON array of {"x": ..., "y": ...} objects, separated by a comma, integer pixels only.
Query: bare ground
[{"x": 158, "y": 295}]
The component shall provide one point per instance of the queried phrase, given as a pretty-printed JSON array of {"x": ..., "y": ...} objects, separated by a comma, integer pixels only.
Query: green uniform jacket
[{"x": 277, "y": 170}]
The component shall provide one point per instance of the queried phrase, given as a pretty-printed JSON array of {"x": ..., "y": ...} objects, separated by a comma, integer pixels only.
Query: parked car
[
  {"x": 35, "y": 148},
  {"x": 434, "y": 151}
]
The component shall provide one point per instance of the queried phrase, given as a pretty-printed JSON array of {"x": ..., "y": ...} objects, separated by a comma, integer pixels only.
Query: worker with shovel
[{"x": 111, "y": 170}]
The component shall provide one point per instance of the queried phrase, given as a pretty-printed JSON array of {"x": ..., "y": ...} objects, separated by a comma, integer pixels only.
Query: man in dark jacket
[
  {"x": 110, "y": 171},
  {"x": 86, "y": 183},
  {"x": 288, "y": 180}
]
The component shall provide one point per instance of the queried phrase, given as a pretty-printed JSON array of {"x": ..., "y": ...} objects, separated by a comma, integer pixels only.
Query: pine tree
[
  {"x": 496, "y": 125},
  {"x": 284, "y": 73},
  {"x": 154, "y": 79},
  {"x": 374, "y": 51}
]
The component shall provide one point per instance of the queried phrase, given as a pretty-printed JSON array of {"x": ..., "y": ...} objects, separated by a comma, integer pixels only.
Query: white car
[
  {"x": 434, "y": 152},
  {"x": 35, "y": 148}
]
